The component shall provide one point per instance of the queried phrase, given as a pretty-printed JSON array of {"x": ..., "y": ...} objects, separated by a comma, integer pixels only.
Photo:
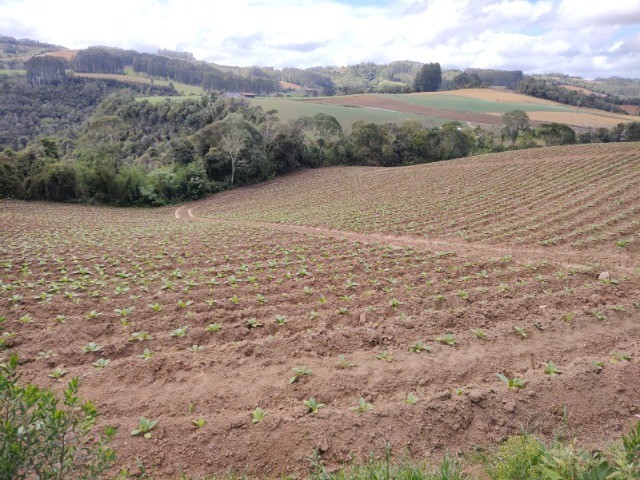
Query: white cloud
[{"x": 576, "y": 36}]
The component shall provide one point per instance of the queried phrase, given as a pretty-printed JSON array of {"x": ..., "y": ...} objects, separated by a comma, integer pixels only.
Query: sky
[{"x": 589, "y": 38}]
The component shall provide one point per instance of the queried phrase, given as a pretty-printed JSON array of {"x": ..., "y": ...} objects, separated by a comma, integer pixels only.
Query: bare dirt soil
[{"x": 288, "y": 281}]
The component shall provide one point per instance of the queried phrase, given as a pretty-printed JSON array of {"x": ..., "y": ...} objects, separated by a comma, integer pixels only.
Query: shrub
[{"x": 39, "y": 438}]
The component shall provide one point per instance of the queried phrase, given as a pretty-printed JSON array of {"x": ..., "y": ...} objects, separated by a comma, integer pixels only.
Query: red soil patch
[
  {"x": 582, "y": 90},
  {"x": 631, "y": 109},
  {"x": 66, "y": 54},
  {"x": 290, "y": 86}
]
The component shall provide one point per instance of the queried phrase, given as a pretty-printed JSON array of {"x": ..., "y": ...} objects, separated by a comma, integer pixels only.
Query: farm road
[{"x": 527, "y": 254}]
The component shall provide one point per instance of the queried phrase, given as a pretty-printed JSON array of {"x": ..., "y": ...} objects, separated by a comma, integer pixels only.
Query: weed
[
  {"x": 447, "y": 339},
  {"x": 419, "y": 347},
  {"x": 343, "y": 362},
  {"x": 479, "y": 334}
]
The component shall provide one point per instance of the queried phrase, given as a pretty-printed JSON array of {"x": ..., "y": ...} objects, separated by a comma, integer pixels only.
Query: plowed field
[{"x": 372, "y": 283}]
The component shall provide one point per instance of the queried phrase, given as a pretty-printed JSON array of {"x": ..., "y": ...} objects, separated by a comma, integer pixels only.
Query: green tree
[
  {"x": 556, "y": 134},
  {"x": 429, "y": 78},
  {"x": 515, "y": 123}
]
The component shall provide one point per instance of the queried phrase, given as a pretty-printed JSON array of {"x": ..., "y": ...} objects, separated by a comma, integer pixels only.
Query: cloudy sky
[{"x": 589, "y": 38}]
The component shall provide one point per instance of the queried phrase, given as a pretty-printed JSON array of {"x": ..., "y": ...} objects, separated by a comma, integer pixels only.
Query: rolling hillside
[
  {"x": 394, "y": 297},
  {"x": 576, "y": 196},
  {"x": 477, "y": 106}
]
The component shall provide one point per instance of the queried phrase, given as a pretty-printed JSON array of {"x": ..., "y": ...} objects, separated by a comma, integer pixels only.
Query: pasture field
[
  {"x": 392, "y": 296},
  {"x": 291, "y": 109},
  {"x": 130, "y": 77},
  {"x": 484, "y": 106},
  {"x": 12, "y": 72}
]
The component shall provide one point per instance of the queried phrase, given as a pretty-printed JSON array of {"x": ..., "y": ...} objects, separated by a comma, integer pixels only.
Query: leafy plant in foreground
[{"x": 44, "y": 438}]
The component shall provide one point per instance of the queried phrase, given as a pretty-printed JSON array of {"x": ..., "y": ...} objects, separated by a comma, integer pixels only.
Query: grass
[
  {"x": 12, "y": 72},
  {"x": 475, "y": 105},
  {"x": 155, "y": 99},
  {"x": 289, "y": 109}
]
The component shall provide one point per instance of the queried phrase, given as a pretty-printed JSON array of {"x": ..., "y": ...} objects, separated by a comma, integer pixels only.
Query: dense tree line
[
  {"x": 498, "y": 78},
  {"x": 429, "y": 78},
  {"x": 98, "y": 60},
  {"x": 28, "y": 111},
  {"x": 45, "y": 70},
  {"x": 551, "y": 90}
]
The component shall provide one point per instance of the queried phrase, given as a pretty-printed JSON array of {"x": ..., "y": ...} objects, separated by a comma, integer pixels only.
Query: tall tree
[
  {"x": 515, "y": 123},
  {"x": 429, "y": 78}
]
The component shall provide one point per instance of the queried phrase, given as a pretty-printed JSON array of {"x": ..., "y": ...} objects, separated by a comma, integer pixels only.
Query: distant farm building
[{"x": 248, "y": 95}]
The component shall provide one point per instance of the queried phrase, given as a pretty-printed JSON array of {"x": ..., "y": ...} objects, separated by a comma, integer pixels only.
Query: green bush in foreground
[{"x": 39, "y": 438}]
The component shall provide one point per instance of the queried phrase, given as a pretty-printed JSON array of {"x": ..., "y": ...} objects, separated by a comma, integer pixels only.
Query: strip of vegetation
[{"x": 521, "y": 457}]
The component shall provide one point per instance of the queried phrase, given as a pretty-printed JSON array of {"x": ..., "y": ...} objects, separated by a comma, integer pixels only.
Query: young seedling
[
  {"x": 598, "y": 315},
  {"x": 280, "y": 319},
  {"x": 93, "y": 314},
  {"x": 620, "y": 357},
  {"x": 195, "y": 348},
  {"x": 179, "y": 332},
  {"x": 313, "y": 405},
  {"x": 199, "y": 422},
  {"x": 419, "y": 347},
  {"x": 362, "y": 407},
  {"x": 448, "y": 339},
  {"x": 253, "y": 323},
  {"x": 101, "y": 363},
  {"x": 184, "y": 304},
  {"x": 91, "y": 347},
  {"x": 343, "y": 362},
  {"x": 213, "y": 327},
  {"x": 394, "y": 303},
  {"x": 511, "y": 383},
  {"x": 551, "y": 369},
  {"x": 258, "y": 415},
  {"x": 140, "y": 336},
  {"x": 46, "y": 355},
  {"x": 146, "y": 354},
  {"x": 144, "y": 426},
  {"x": 300, "y": 372},
  {"x": 156, "y": 307},
  {"x": 411, "y": 399},
  {"x": 58, "y": 373}
]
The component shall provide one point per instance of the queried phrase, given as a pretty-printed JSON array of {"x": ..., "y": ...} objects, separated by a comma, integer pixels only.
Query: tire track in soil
[{"x": 559, "y": 255}]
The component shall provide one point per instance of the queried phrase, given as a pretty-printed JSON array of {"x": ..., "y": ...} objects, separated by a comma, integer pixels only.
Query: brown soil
[
  {"x": 66, "y": 54},
  {"x": 572, "y": 313}
]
